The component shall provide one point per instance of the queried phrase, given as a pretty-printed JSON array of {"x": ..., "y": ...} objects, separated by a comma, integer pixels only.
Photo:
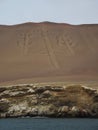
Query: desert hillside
[{"x": 47, "y": 51}]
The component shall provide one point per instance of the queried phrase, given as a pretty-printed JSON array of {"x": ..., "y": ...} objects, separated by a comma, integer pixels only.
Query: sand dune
[{"x": 40, "y": 51}]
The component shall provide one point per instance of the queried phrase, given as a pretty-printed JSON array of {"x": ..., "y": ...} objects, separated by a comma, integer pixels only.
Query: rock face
[{"x": 48, "y": 101}]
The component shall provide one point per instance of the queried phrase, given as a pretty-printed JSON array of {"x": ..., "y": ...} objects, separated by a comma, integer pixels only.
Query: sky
[{"x": 60, "y": 11}]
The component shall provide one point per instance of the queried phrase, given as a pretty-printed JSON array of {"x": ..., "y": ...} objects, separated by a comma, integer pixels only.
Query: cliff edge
[{"x": 48, "y": 101}]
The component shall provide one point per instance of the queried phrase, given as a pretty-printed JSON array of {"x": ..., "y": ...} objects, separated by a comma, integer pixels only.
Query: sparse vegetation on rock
[{"x": 49, "y": 101}]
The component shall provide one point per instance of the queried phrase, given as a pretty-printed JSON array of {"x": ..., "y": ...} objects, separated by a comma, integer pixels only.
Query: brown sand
[{"x": 48, "y": 52}]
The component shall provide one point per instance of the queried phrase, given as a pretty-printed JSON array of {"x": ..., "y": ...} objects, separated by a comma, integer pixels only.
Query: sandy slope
[{"x": 48, "y": 52}]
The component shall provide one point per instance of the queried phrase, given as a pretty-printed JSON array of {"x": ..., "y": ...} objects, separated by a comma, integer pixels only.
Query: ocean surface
[{"x": 48, "y": 124}]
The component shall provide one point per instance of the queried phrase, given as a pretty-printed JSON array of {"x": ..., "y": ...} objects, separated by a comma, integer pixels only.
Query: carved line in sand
[
  {"x": 25, "y": 39},
  {"x": 49, "y": 48},
  {"x": 66, "y": 41},
  {"x": 24, "y": 42},
  {"x": 69, "y": 44}
]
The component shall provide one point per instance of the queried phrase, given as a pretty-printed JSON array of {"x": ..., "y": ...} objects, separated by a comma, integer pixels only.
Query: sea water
[{"x": 48, "y": 124}]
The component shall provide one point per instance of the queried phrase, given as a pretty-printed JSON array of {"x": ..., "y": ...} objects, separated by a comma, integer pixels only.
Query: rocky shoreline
[{"x": 48, "y": 101}]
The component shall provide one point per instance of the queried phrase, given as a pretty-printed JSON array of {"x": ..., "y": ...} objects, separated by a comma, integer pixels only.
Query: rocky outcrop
[{"x": 48, "y": 101}]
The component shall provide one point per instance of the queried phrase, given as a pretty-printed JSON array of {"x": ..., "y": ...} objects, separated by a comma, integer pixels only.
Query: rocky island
[{"x": 48, "y": 101}]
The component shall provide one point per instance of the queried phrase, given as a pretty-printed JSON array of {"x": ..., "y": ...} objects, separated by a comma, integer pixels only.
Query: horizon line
[{"x": 47, "y": 22}]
